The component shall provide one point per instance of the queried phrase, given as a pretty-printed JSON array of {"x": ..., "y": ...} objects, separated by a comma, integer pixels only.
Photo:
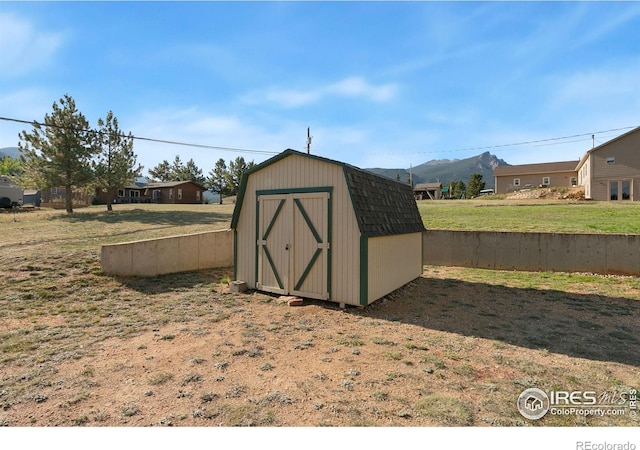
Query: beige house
[
  {"x": 608, "y": 172},
  {"x": 611, "y": 171},
  {"x": 554, "y": 174},
  {"x": 317, "y": 228}
]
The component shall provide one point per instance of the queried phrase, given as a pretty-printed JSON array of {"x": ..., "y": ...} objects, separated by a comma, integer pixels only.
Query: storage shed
[{"x": 318, "y": 228}]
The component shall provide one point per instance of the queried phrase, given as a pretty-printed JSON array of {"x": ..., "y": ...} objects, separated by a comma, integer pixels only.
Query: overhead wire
[
  {"x": 148, "y": 139},
  {"x": 538, "y": 142}
]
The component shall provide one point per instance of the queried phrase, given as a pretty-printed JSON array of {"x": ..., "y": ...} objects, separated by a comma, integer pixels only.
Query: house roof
[
  {"x": 599, "y": 147},
  {"x": 532, "y": 169},
  {"x": 169, "y": 184},
  {"x": 382, "y": 206},
  {"x": 425, "y": 186}
]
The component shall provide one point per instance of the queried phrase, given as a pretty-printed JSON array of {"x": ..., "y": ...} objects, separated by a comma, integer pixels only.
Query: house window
[
  {"x": 170, "y": 194},
  {"x": 516, "y": 182},
  {"x": 546, "y": 181},
  {"x": 626, "y": 190},
  {"x": 574, "y": 181},
  {"x": 198, "y": 196},
  {"x": 179, "y": 194},
  {"x": 613, "y": 190},
  {"x": 620, "y": 190},
  {"x": 134, "y": 194},
  {"x": 120, "y": 192},
  {"x": 611, "y": 160}
]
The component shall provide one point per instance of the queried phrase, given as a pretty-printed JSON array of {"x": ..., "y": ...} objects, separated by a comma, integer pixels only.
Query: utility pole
[{"x": 308, "y": 140}]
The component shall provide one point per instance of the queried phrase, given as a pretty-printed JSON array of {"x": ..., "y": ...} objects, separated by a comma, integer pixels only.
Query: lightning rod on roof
[{"x": 308, "y": 140}]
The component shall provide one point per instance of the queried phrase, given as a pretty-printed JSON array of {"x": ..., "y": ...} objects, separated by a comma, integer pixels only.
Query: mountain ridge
[
  {"x": 445, "y": 171},
  {"x": 12, "y": 152}
]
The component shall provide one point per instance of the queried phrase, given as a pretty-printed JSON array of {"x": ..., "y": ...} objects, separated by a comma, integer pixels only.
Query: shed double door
[{"x": 293, "y": 244}]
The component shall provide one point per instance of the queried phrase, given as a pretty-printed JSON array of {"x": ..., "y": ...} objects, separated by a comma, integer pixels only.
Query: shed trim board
[{"x": 305, "y": 225}]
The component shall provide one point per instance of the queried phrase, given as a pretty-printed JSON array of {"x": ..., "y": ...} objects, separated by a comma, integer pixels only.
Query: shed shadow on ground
[
  {"x": 583, "y": 326},
  {"x": 173, "y": 282}
]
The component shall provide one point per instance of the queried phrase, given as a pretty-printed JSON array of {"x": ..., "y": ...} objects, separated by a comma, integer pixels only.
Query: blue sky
[{"x": 381, "y": 84}]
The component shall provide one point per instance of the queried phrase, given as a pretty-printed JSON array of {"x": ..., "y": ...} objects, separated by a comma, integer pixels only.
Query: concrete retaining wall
[
  {"x": 168, "y": 255},
  {"x": 594, "y": 253}
]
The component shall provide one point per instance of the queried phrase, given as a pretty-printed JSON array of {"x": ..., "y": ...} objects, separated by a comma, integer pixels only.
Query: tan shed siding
[
  {"x": 390, "y": 263},
  {"x": 295, "y": 172}
]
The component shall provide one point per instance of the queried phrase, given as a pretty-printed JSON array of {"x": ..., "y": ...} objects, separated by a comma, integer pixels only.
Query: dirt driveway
[{"x": 452, "y": 348}]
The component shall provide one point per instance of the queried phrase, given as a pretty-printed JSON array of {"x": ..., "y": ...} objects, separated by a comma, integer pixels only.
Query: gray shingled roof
[
  {"x": 528, "y": 169},
  {"x": 382, "y": 206}
]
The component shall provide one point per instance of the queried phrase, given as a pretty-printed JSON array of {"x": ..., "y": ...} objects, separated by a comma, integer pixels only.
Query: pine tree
[
  {"x": 194, "y": 173},
  {"x": 475, "y": 185},
  {"x": 59, "y": 151},
  {"x": 116, "y": 164},
  {"x": 10, "y": 166},
  {"x": 161, "y": 172},
  {"x": 217, "y": 180},
  {"x": 234, "y": 175}
]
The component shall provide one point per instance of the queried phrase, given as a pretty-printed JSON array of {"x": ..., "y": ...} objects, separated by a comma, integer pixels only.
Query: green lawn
[{"x": 531, "y": 215}]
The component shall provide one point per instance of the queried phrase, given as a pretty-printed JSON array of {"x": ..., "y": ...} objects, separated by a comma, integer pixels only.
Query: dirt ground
[
  {"x": 571, "y": 194},
  {"x": 439, "y": 352}
]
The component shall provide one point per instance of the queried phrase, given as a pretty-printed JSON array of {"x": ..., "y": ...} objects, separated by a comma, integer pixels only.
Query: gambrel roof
[{"x": 382, "y": 206}]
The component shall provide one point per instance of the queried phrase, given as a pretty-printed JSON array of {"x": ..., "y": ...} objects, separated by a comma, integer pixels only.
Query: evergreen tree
[
  {"x": 217, "y": 180},
  {"x": 234, "y": 175},
  {"x": 115, "y": 165},
  {"x": 475, "y": 185},
  {"x": 59, "y": 151},
  {"x": 194, "y": 173},
  {"x": 10, "y": 166},
  {"x": 161, "y": 172},
  {"x": 458, "y": 190},
  {"x": 177, "y": 171}
]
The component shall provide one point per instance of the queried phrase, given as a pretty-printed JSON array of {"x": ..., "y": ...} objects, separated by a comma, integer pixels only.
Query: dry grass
[{"x": 453, "y": 348}]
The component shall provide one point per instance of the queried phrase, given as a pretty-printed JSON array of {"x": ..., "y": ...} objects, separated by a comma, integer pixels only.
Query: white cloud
[
  {"x": 351, "y": 87},
  {"x": 359, "y": 87},
  {"x": 22, "y": 104},
  {"x": 194, "y": 126},
  {"x": 24, "y": 48}
]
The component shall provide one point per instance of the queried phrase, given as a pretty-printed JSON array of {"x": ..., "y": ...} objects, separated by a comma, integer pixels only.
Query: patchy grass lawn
[
  {"x": 553, "y": 216},
  {"x": 455, "y": 347}
]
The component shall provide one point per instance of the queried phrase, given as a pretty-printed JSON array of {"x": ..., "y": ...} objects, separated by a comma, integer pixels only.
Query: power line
[
  {"x": 141, "y": 138},
  {"x": 539, "y": 141}
]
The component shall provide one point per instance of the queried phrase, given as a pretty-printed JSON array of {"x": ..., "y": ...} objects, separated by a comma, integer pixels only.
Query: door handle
[{"x": 287, "y": 247}]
